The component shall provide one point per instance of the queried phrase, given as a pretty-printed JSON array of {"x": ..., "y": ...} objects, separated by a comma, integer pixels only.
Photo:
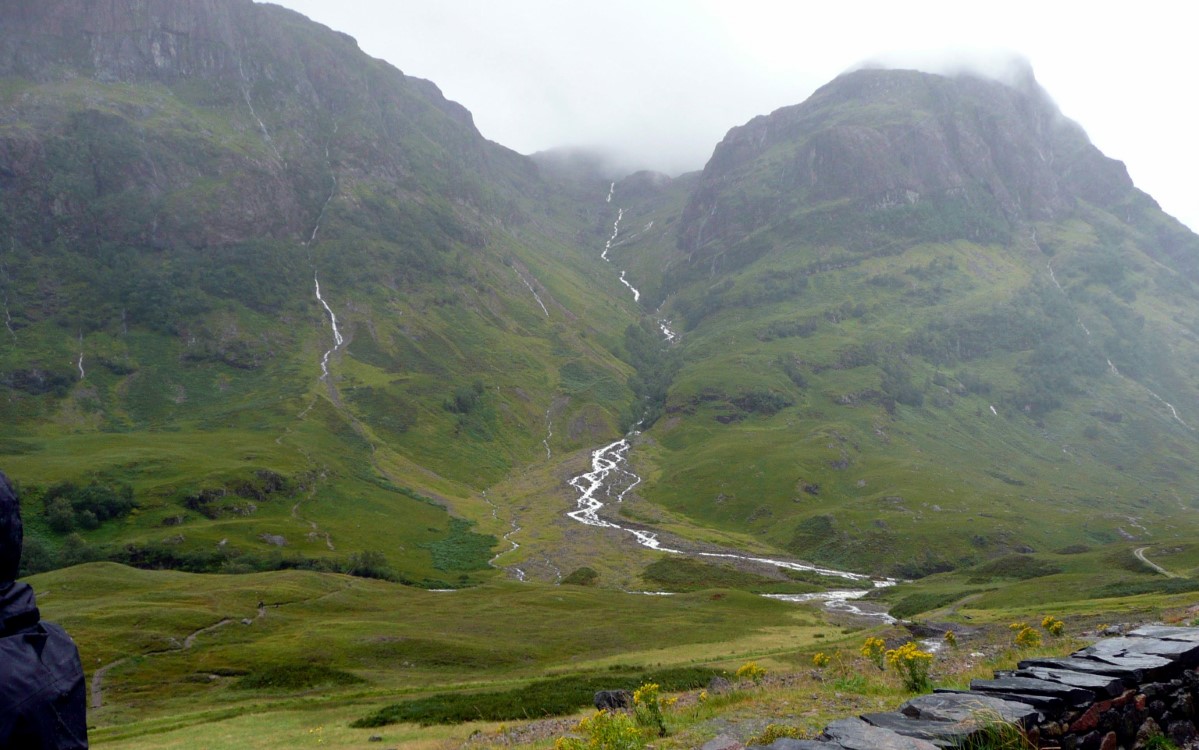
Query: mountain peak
[{"x": 879, "y": 137}]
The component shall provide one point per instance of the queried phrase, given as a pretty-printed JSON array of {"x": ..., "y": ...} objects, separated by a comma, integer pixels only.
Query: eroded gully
[
  {"x": 1087, "y": 331},
  {"x": 611, "y": 479}
]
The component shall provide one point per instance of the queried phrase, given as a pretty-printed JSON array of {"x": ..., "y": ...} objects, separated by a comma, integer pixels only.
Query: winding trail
[
  {"x": 495, "y": 513},
  {"x": 316, "y": 530},
  {"x": 96, "y": 692},
  {"x": 1140, "y": 553}
]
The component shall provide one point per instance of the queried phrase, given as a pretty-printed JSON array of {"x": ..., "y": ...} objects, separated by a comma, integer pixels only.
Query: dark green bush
[
  {"x": 563, "y": 695},
  {"x": 295, "y": 677}
]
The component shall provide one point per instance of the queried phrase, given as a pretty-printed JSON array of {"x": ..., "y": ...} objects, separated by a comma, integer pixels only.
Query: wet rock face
[
  {"x": 1115, "y": 694},
  {"x": 883, "y": 139},
  {"x": 223, "y": 131},
  {"x": 118, "y": 40}
]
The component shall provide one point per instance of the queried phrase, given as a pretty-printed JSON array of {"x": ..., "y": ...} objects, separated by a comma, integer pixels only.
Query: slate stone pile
[{"x": 1113, "y": 695}]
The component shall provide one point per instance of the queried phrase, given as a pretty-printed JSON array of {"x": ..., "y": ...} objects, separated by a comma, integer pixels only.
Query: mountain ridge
[{"x": 226, "y": 198}]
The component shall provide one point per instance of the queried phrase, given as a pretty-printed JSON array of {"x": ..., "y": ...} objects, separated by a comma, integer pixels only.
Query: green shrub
[
  {"x": 296, "y": 677},
  {"x": 562, "y": 695},
  {"x": 581, "y": 577},
  {"x": 774, "y": 732},
  {"x": 914, "y": 604}
]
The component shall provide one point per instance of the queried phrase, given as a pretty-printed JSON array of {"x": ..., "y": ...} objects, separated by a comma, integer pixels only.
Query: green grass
[{"x": 534, "y": 700}]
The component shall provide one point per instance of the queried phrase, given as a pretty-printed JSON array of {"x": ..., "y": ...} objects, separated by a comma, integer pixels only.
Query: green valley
[{"x": 325, "y": 409}]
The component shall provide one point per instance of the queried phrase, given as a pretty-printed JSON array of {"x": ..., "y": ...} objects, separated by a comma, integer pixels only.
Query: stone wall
[{"x": 1113, "y": 695}]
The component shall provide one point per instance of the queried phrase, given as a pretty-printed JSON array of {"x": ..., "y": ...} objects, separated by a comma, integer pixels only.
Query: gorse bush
[
  {"x": 1026, "y": 637},
  {"x": 647, "y": 708},
  {"x": 604, "y": 731},
  {"x": 820, "y": 660},
  {"x": 912, "y": 665},
  {"x": 875, "y": 649},
  {"x": 1053, "y": 625},
  {"x": 750, "y": 671},
  {"x": 555, "y": 697}
]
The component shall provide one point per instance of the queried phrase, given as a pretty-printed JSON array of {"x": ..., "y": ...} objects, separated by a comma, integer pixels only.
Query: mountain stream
[{"x": 611, "y": 479}]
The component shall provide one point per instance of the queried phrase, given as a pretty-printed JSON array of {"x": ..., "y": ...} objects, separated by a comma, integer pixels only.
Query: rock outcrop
[{"x": 1112, "y": 695}]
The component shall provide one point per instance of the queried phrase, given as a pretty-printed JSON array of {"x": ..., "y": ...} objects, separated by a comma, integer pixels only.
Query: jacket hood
[{"x": 18, "y": 608}]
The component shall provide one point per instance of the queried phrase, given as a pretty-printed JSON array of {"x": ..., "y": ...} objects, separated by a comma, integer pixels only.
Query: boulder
[
  {"x": 855, "y": 734},
  {"x": 954, "y": 707},
  {"x": 610, "y": 700}
]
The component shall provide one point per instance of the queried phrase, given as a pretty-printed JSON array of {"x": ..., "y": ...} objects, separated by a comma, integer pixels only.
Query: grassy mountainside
[
  {"x": 177, "y": 180},
  {"x": 272, "y": 305},
  {"x": 925, "y": 324}
]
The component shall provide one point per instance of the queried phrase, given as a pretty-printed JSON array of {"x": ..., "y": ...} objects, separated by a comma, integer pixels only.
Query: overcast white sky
[{"x": 661, "y": 81}]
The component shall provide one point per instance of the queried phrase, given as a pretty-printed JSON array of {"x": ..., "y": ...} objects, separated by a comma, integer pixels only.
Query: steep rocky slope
[
  {"x": 226, "y": 222},
  {"x": 926, "y": 322}
]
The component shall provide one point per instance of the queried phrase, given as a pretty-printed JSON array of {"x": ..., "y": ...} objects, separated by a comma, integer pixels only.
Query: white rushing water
[
  {"x": 245, "y": 92},
  {"x": 633, "y": 289},
  {"x": 79, "y": 363},
  {"x": 840, "y": 601},
  {"x": 549, "y": 433},
  {"x": 615, "y": 232},
  {"x": 337, "y": 338},
  {"x": 611, "y": 190},
  {"x": 536, "y": 296},
  {"x": 8, "y": 318},
  {"x": 610, "y": 476},
  {"x": 667, "y": 332}
]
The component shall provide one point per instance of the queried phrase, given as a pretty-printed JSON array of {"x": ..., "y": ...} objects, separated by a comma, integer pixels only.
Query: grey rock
[
  {"x": 855, "y": 734},
  {"x": 723, "y": 742},
  {"x": 607, "y": 700},
  {"x": 1166, "y": 633},
  {"x": 1182, "y": 732},
  {"x": 1148, "y": 730},
  {"x": 787, "y": 743},
  {"x": 1131, "y": 675},
  {"x": 943, "y": 734},
  {"x": 1074, "y": 696},
  {"x": 1046, "y": 704},
  {"x": 955, "y": 707},
  {"x": 1102, "y": 685},
  {"x": 719, "y": 685},
  {"x": 1173, "y": 650}
]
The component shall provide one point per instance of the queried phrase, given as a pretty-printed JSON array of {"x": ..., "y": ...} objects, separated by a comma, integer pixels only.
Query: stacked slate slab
[{"x": 1113, "y": 695}]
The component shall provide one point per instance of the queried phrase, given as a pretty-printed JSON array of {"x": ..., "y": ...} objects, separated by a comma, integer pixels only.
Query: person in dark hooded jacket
[{"x": 43, "y": 700}]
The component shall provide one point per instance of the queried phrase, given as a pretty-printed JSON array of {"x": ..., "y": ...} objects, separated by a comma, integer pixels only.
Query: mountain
[
  {"x": 272, "y": 303},
  {"x": 926, "y": 322},
  {"x": 274, "y": 287}
]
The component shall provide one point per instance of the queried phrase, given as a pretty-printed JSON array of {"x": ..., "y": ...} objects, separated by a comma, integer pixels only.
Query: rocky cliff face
[
  {"x": 222, "y": 121},
  {"x": 878, "y": 139}
]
